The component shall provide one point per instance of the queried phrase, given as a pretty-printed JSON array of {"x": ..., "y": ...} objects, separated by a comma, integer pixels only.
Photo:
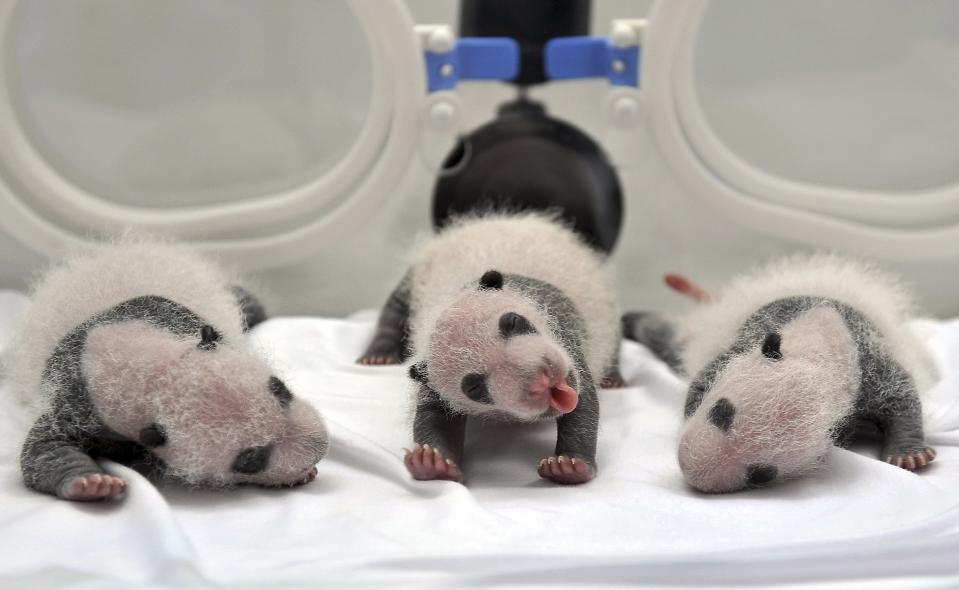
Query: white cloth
[{"x": 364, "y": 522}]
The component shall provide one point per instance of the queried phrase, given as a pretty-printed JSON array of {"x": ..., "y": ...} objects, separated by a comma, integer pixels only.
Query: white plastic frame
[
  {"x": 47, "y": 212},
  {"x": 900, "y": 225}
]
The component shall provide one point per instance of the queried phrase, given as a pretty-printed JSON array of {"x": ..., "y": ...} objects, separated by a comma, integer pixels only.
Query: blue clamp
[
  {"x": 592, "y": 57},
  {"x": 472, "y": 58}
]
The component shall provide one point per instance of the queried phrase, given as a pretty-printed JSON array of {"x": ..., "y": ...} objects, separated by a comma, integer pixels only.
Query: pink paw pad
[
  {"x": 912, "y": 461},
  {"x": 89, "y": 488},
  {"x": 612, "y": 383},
  {"x": 566, "y": 470},
  {"x": 378, "y": 359},
  {"x": 426, "y": 463}
]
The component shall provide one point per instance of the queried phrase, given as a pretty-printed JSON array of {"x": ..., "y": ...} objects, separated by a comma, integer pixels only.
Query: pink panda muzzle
[{"x": 562, "y": 397}]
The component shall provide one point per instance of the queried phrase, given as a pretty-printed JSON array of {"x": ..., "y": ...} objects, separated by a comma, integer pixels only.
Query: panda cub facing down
[
  {"x": 507, "y": 317},
  {"x": 136, "y": 352},
  {"x": 787, "y": 362}
]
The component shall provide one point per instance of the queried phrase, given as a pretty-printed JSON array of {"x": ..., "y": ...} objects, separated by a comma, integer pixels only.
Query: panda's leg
[
  {"x": 253, "y": 311},
  {"x": 389, "y": 345},
  {"x": 52, "y": 463},
  {"x": 576, "y": 432},
  {"x": 655, "y": 333},
  {"x": 439, "y": 435},
  {"x": 613, "y": 379},
  {"x": 899, "y": 417}
]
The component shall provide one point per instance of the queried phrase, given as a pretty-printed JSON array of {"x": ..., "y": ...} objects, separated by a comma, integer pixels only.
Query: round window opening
[
  {"x": 179, "y": 103},
  {"x": 854, "y": 95}
]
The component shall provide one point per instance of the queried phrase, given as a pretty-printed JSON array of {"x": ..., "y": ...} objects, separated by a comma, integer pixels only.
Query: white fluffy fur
[
  {"x": 529, "y": 244},
  {"x": 710, "y": 328},
  {"x": 101, "y": 276},
  {"x": 212, "y": 403}
]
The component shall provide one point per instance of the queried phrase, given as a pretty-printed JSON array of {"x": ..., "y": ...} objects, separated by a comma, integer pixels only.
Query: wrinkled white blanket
[{"x": 364, "y": 522}]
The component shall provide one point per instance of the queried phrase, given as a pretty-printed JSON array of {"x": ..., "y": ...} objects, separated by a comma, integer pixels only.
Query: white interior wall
[{"x": 667, "y": 229}]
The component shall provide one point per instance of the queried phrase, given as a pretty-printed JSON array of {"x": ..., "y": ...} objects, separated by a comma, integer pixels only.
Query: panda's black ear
[
  {"x": 418, "y": 372},
  {"x": 771, "y": 346},
  {"x": 208, "y": 337},
  {"x": 491, "y": 279}
]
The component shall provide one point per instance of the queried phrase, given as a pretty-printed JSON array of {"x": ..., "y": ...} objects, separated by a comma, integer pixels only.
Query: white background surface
[{"x": 364, "y": 521}]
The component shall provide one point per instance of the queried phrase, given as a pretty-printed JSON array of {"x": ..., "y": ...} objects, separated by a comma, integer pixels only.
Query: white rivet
[
  {"x": 440, "y": 40},
  {"x": 619, "y": 66},
  {"x": 623, "y": 35},
  {"x": 446, "y": 70},
  {"x": 442, "y": 114},
  {"x": 625, "y": 110}
]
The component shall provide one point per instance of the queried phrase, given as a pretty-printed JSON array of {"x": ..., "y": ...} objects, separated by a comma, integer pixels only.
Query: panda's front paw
[
  {"x": 566, "y": 469},
  {"x": 93, "y": 487},
  {"x": 378, "y": 359},
  {"x": 426, "y": 463},
  {"x": 912, "y": 459}
]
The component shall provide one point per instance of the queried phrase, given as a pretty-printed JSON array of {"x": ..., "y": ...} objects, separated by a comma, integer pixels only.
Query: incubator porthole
[
  {"x": 834, "y": 94},
  {"x": 251, "y": 99}
]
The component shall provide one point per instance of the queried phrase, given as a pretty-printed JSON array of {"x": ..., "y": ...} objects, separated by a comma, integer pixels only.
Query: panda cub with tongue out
[{"x": 509, "y": 317}]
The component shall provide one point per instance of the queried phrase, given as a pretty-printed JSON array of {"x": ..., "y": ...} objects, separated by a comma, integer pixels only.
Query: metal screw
[
  {"x": 619, "y": 66},
  {"x": 446, "y": 70}
]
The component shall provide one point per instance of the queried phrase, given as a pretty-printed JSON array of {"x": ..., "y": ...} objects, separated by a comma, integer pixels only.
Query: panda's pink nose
[{"x": 562, "y": 397}]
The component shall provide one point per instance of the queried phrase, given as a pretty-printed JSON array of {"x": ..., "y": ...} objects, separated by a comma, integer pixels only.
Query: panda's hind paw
[
  {"x": 93, "y": 487},
  {"x": 912, "y": 460}
]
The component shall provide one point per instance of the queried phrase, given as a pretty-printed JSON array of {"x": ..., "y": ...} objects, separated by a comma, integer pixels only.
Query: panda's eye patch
[
  {"x": 252, "y": 460},
  {"x": 758, "y": 475},
  {"x": 278, "y": 389},
  {"x": 721, "y": 414},
  {"x": 153, "y": 436},
  {"x": 474, "y": 386},
  {"x": 513, "y": 324},
  {"x": 771, "y": 346}
]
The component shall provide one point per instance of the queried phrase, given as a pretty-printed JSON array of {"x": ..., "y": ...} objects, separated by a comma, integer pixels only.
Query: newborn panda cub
[
  {"x": 508, "y": 317},
  {"x": 786, "y": 362},
  {"x": 136, "y": 352}
]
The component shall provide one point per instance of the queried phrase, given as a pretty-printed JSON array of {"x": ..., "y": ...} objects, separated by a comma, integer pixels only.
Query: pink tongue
[{"x": 563, "y": 397}]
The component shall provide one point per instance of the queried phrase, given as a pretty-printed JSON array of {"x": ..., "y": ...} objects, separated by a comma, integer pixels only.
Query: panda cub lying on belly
[
  {"x": 136, "y": 352},
  {"x": 508, "y": 317},
  {"x": 785, "y": 363}
]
